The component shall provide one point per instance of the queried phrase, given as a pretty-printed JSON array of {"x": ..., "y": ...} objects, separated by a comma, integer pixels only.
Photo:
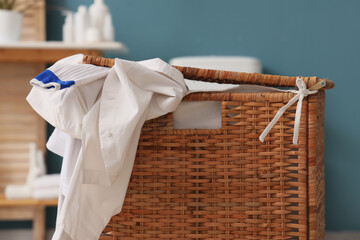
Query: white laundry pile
[
  {"x": 98, "y": 114},
  {"x": 46, "y": 187},
  {"x": 36, "y": 169}
]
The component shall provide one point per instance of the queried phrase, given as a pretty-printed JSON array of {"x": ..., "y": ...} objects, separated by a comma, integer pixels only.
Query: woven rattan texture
[
  {"x": 316, "y": 166},
  {"x": 224, "y": 183},
  {"x": 218, "y": 76}
]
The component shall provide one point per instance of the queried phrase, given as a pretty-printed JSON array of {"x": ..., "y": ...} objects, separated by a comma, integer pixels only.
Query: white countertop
[{"x": 115, "y": 46}]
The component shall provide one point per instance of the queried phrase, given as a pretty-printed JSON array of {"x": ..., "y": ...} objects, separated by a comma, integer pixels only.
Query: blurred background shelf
[
  {"x": 116, "y": 46},
  {"x": 51, "y": 51}
]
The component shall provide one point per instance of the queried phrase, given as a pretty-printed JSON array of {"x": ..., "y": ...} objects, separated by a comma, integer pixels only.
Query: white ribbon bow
[{"x": 300, "y": 94}]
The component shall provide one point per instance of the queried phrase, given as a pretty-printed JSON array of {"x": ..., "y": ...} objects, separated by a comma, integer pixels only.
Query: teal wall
[{"x": 307, "y": 37}]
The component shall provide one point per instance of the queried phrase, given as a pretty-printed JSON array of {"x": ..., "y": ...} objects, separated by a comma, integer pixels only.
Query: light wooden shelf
[
  {"x": 51, "y": 51},
  {"x": 26, "y": 202},
  {"x": 102, "y": 46}
]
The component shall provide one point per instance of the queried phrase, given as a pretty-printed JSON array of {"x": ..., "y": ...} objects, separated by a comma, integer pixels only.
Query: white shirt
[
  {"x": 105, "y": 108},
  {"x": 69, "y": 148}
]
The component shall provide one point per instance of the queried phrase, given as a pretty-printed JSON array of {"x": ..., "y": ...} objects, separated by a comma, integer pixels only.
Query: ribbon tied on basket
[{"x": 300, "y": 94}]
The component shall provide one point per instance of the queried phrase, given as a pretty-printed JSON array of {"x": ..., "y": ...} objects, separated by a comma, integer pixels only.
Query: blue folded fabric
[{"x": 49, "y": 78}]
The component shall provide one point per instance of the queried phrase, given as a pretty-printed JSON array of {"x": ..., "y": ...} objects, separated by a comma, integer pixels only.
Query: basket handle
[{"x": 219, "y": 76}]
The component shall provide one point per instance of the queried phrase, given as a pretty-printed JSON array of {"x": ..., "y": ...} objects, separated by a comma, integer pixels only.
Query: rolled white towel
[
  {"x": 17, "y": 191},
  {"x": 46, "y": 193},
  {"x": 46, "y": 181}
]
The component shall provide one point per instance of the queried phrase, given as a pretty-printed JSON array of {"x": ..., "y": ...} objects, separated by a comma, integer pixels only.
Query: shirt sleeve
[
  {"x": 68, "y": 72},
  {"x": 65, "y": 92}
]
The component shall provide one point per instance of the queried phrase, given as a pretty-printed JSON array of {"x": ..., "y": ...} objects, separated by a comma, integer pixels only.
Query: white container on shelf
[
  {"x": 108, "y": 29},
  {"x": 97, "y": 13},
  {"x": 81, "y": 24},
  {"x": 68, "y": 28},
  {"x": 93, "y": 35},
  {"x": 10, "y": 25}
]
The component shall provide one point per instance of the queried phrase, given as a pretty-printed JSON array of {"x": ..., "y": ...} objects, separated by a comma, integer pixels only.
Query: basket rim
[{"x": 221, "y": 76}]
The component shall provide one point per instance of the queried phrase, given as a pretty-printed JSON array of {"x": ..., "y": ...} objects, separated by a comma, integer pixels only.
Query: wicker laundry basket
[{"x": 225, "y": 183}]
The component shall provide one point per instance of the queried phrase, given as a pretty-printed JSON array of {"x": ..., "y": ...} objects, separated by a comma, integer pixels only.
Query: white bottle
[
  {"x": 68, "y": 28},
  {"x": 108, "y": 29},
  {"x": 81, "y": 24},
  {"x": 93, "y": 35},
  {"x": 97, "y": 12}
]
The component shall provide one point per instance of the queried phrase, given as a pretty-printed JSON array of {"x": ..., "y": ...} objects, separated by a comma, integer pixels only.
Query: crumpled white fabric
[
  {"x": 106, "y": 109},
  {"x": 68, "y": 148}
]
